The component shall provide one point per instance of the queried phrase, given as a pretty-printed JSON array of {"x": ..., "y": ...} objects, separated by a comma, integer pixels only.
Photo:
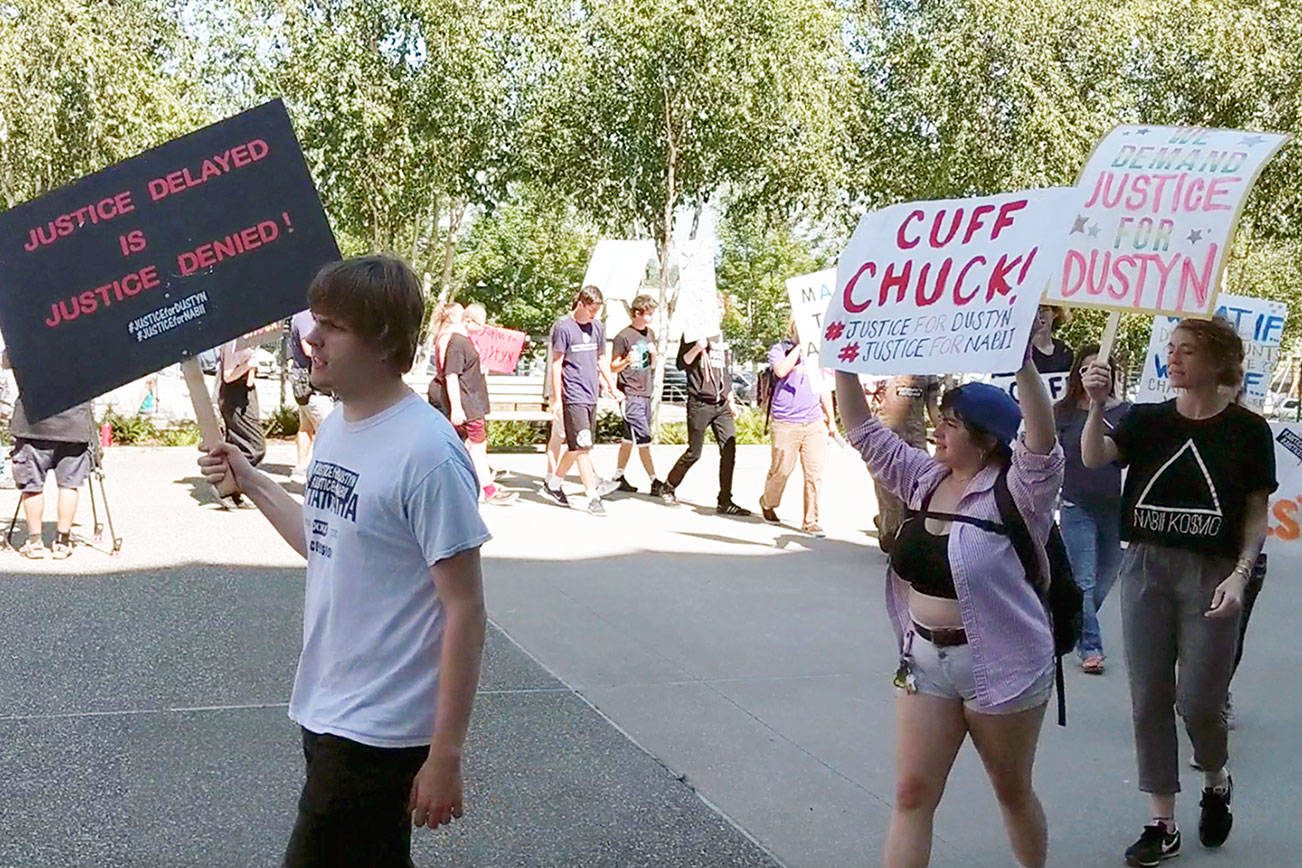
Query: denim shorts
[{"x": 947, "y": 673}]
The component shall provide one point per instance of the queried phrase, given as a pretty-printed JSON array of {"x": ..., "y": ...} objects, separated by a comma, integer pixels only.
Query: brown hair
[
  {"x": 1076, "y": 385},
  {"x": 589, "y": 295},
  {"x": 379, "y": 297},
  {"x": 643, "y": 303},
  {"x": 1223, "y": 345}
]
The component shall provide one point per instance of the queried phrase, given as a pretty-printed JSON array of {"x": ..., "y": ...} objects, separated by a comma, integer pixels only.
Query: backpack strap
[{"x": 1020, "y": 536}]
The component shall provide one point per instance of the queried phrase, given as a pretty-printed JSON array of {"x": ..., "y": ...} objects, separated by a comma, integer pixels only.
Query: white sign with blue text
[{"x": 1260, "y": 323}]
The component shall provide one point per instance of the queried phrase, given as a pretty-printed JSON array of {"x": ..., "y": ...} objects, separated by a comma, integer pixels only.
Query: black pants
[
  {"x": 238, "y": 402},
  {"x": 353, "y": 810},
  {"x": 716, "y": 417}
]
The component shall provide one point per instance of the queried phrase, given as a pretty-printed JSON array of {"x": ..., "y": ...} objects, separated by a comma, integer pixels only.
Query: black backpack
[{"x": 1063, "y": 602}]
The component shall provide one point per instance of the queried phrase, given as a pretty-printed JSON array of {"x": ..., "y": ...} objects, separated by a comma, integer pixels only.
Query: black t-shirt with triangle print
[{"x": 1189, "y": 479}]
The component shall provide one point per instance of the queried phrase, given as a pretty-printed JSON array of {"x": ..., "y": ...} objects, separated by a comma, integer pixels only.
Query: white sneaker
[
  {"x": 607, "y": 486},
  {"x": 299, "y": 475}
]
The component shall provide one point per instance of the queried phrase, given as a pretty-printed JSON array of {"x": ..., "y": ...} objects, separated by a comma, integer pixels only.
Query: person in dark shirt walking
[
  {"x": 710, "y": 404},
  {"x": 633, "y": 358}
]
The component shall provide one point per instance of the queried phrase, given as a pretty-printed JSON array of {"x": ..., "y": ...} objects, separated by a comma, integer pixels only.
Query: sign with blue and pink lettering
[
  {"x": 943, "y": 286},
  {"x": 1260, "y": 323},
  {"x": 1155, "y": 217},
  {"x": 158, "y": 258}
]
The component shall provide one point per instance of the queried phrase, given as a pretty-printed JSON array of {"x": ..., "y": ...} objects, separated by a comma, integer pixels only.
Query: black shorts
[
  {"x": 34, "y": 459},
  {"x": 353, "y": 810},
  {"x": 580, "y": 421}
]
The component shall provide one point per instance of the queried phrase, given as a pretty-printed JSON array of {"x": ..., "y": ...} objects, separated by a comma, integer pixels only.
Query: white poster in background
[
  {"x": 1283, "y": 523},
  {"x": 697, "y": 314},
  {"x": 1154, "y": 216},
  {"x": 809, "y": 295},
  {"x": 1260, "y": 323},
  {"x": 943, "y": 287},
  {"x": 1055, "y": 384},
  {"x": 619, "y": 268}
]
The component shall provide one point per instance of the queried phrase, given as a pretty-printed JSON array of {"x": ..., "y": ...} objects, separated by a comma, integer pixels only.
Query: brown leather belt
[{"x": 942, "y": 637}]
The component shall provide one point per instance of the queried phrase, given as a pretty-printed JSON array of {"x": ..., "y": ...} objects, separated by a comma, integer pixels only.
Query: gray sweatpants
[{"x": 1164, "y": 595}]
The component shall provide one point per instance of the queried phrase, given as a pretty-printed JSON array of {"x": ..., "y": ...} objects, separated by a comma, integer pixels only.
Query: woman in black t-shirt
[
  {"x": 1194, "y": 512},
  {"x": 460, "y": 391}
]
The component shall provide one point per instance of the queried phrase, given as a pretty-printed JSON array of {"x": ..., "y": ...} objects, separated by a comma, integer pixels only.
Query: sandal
[{"x": 1092, "y": 665}]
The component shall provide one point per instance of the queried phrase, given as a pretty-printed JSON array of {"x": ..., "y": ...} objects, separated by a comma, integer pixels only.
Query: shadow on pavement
[{"x": 145, "y": 710}]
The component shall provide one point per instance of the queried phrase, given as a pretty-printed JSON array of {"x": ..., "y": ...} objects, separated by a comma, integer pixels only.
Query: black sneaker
[
  {"x": 1153, "y": 846},
  {"x": 657, "y": 488},
  {"x": 625, "y": 485},
  {"x": 555, "y": 495},
  {"x": 769, "y": 514},
  {"x": 731, "y": 508},
  {"x": 1215, "y": 820}
]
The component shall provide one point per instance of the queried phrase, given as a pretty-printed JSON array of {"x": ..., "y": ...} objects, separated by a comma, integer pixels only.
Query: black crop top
[{"x": 921, "y": 558}]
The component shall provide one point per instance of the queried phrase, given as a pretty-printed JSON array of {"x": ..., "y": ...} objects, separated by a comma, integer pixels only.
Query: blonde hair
[{"x": 446, "y": 316}]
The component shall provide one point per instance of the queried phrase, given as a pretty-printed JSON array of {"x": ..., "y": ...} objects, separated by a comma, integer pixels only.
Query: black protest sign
[{"x": 159, "y": 258}]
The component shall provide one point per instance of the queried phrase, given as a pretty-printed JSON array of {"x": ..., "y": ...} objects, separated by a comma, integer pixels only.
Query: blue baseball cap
[{"x": 987, "y": 407}]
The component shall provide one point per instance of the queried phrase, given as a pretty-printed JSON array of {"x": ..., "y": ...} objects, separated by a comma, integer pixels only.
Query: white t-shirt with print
[{"x": 386, "y": 498}]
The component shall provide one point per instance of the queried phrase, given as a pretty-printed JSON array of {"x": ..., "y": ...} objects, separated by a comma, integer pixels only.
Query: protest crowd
[{"x": 1009, "y": 505}]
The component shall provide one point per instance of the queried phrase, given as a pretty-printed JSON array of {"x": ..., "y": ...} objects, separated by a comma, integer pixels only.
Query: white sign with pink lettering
[
  {"x": 1155, "y": 217},
  {"x": 943, "y": 286}
]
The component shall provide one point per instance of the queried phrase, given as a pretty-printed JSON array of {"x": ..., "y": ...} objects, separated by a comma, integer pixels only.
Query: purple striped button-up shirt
[{"x": 1005, "y": 621}]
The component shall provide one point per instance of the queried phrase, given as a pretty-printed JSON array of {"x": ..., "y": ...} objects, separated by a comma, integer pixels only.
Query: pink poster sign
[{"x": 499, "y": 348}]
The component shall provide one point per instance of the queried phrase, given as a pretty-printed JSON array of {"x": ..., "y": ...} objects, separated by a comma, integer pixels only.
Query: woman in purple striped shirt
[{"x": 976, "y": 651}]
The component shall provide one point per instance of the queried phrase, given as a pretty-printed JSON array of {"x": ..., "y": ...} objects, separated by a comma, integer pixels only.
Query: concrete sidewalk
[{"x": 144, "y": 694}]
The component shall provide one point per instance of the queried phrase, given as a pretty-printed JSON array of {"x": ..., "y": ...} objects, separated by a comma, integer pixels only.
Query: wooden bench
[{"x": 514, "y": 398}]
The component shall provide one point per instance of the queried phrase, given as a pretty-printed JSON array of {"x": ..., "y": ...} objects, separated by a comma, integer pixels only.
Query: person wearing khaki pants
[{"x": 801, "y": 423}]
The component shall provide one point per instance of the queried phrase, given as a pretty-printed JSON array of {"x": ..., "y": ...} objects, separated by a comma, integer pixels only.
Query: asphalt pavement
[{"x": 664, "y": 686}]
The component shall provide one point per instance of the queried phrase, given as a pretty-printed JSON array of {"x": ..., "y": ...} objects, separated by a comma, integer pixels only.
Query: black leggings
[{"x": 718, "y": 419}]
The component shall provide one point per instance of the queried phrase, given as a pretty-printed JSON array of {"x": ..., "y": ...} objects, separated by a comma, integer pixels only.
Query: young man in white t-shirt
[{"x": 393, "y": 618}]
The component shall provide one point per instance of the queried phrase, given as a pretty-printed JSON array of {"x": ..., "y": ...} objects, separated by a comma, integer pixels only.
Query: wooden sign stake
[{"x": 210, "y": 432}]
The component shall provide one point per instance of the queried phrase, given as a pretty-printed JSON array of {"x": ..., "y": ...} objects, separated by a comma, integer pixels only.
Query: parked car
[
  {"x": 265, "y": 363},
  {"x": 208, "y": 361},
  {"x": 675, "y": 387},
  {"x": 743, "y": 387}
]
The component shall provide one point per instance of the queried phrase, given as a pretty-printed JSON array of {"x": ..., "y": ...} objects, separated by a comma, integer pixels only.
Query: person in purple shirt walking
[
  {"x": 976, "y": 649},
  {"x": 801, "y": 423}
]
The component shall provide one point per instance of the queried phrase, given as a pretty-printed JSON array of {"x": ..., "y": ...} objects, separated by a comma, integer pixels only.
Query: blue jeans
[{"x": 1092, "y": 535}]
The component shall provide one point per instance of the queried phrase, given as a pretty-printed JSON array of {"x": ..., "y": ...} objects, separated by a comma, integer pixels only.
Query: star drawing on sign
[
  {"x": 1094, "y": 231},
  {"x": 834, "y": 330},
  {"x": 849, "y": 353},
  {"x": 1079, "y": 225},
  {"x": 1251, "y": 141},
  {"x": 1143, "y": 131},
  {"x": 1195, "y": 235}
]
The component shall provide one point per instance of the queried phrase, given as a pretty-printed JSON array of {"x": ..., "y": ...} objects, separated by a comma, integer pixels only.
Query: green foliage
[
  {"x": 516, "y": 436},
  {"x": 758, "y": 257},
  {"x": 525, "y": 261},
  {"x": 142, "y": 431},
  {"x": 85, "y": 85},
  {"x": 672, "y": 433},
  {"x": 283, "y": 421},
  {"x": 750, "y": 430}
]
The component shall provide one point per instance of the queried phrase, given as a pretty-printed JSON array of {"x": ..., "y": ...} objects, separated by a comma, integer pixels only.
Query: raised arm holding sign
[{"x": 943, "y": 286}]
